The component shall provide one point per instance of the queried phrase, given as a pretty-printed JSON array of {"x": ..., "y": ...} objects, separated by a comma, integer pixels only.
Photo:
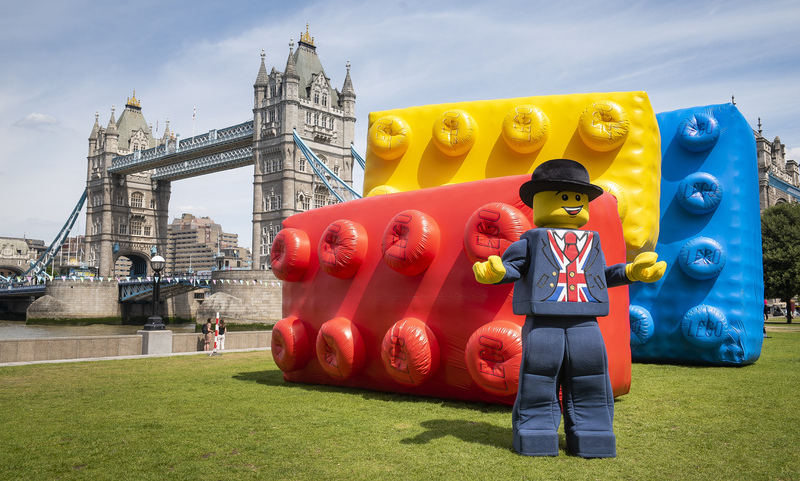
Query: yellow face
[{"x": 561, "y": 210}]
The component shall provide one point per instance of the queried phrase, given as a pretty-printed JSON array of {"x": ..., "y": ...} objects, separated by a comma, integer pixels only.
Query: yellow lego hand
[
  {"x": 646, "y": 268},
  {"x": 489, "y": 272}
]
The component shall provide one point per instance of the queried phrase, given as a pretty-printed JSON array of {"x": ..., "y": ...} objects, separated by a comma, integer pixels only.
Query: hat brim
[{"x": 532, "y": 187}]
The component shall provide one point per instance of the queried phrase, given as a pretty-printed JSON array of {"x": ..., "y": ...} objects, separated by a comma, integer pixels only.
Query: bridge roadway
[
  {"x": 35, "y": 290},
  {"x": 129, "y": 291},
  {"x": 213, "y": 151}
]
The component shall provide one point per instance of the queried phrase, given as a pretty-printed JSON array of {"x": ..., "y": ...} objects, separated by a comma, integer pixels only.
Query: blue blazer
[{"x": 531, "y": 264}]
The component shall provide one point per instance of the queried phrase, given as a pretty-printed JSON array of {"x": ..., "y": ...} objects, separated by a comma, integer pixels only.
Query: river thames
[{"x": 18, "y": 330}]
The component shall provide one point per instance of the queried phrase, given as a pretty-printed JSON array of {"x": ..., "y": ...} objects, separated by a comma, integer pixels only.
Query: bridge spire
[
  {"x": 347, "y": 88},
  {"x": 291, "y": 68},
  {"x": 262, "y": 77},
  {"x": 112, "y": 123},
  {"x": 95, "y": 127}
]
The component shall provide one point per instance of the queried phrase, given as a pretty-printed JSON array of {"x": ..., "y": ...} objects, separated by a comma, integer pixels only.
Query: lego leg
[
  {"x": 588, "y": 397},
  {"x": 536, "y": 413}
]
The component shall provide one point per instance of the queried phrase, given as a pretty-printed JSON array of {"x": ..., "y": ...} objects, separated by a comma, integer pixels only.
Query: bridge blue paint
[
  {"x": 142, "y": 291},
  {"x": 36, "y": 290},
  {"x": 37, "y": 268},
  {"x": 784, "y": 187},
  {"x": 204, "y": 146},
  {"x": 318, "y": 166},
  {"x": 358, "y": 157}
]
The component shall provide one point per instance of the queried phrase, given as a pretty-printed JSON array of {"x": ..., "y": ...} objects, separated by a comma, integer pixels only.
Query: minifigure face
[{"x": 562, "y": 210}]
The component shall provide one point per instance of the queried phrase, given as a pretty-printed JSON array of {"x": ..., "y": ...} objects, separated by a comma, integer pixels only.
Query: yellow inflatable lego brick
[{"x": 614, "y": 135}]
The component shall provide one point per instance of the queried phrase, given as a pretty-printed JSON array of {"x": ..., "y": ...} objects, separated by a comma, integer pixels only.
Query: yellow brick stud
[
  {"x": 454, "y": 132},
  {"x": 604, "y": 126},
  {"x": 526, "y": 128},
  {"x": 382, "y": 190},
  {"x": 389, "y": 137}
]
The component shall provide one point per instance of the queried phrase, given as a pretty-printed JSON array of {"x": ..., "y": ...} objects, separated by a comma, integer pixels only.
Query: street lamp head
[{"x": 157, "y": 263}]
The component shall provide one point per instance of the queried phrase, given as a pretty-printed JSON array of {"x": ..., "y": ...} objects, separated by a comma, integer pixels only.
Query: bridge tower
[
  {"x": 301, "y": 97},
  {"x": 127, "y": 215}
]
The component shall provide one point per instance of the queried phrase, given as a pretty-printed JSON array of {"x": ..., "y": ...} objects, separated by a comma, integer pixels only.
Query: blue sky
[{"x": 63, "y": 60}]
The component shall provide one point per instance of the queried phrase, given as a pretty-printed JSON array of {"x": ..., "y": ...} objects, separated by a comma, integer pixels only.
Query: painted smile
[{"x": 573, "y": 210}]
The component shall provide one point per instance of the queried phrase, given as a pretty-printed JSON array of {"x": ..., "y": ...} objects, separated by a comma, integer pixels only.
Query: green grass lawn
[{"x": 233, "y": 417}]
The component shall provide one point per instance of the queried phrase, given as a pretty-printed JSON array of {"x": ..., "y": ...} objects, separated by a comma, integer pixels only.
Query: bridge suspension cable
[
  {"x": 358, "y": 157},
  {"x": 47, "y": 257},
  {"x": 318, "y": 166}
]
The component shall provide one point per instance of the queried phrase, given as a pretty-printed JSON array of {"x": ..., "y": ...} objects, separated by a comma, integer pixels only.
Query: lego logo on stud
[
  {"x": 699, "y": 193},
  {"x": 290, "y": 345},
  {"x": 526, "y": 128},
  {"x": 410, "y": 352},
  {"x": 454, "y": 132},
  {"x": 410, "y": 242},
  {"x": 702, "y": 258},
  {"x": 290, "y": 254},
  {"x": 493, "y": 356},
  {"x": 389, "y": 137},
  {"x": 340, "y": 348},
  {"x": 604, "y": 126},
  {"x": 704, "y": 326},
  {"x": 698, "y": 132},
  {"x": 491, "y": 229},
  {"x": 342, "y": 248}
]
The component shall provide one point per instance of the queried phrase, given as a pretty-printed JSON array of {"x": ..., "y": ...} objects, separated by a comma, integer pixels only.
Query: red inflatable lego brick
[{"x": 383, "y": 287}]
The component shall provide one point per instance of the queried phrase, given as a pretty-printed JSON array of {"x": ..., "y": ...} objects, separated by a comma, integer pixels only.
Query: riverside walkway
[{"x": 16, "y": 352}]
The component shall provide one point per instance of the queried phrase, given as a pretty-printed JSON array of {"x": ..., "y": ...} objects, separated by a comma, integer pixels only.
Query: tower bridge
[{"x": 298, "y": 142}]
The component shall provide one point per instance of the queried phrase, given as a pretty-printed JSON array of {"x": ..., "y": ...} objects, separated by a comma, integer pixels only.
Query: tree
[{"x": 780, "y": 238}]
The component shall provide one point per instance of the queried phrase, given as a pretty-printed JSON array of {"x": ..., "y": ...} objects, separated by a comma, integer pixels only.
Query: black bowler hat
[{"x": 556, "y": 175}]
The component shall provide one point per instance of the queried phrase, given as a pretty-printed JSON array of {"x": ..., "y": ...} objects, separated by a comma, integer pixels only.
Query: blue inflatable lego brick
[{"x": 709, "y": 306}]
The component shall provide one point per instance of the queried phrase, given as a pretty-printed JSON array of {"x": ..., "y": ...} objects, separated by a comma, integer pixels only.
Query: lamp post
[{"x": 154, "y": 322}]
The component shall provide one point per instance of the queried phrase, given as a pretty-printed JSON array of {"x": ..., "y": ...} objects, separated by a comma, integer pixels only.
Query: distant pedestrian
[
  {"x": 208, "y": 333},
  {"x": 221, "y": 335}
]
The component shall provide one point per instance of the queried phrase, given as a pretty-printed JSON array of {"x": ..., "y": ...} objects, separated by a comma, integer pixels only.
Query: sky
[{"x": 63, "y": 60}]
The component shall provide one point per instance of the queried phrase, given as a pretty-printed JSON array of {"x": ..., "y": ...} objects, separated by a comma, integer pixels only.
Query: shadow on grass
[
  {"x": 275, "y": 378},
  {"x": 466, "y": 430}
]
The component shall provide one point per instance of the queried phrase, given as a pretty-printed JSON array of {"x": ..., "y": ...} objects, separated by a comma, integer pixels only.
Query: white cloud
[
  {"x": 36, "y": 120},
  {"x": 793, "y": 153}
]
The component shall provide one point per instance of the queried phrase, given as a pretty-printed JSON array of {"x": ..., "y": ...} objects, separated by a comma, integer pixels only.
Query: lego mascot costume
[{"x": 561, "y": 282}]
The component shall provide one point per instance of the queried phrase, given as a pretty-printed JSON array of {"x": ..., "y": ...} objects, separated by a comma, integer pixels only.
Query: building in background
[
  {"x": 194, "y": 244},
  {"x": 71, "y": 259},
  {"x": 232, "y": 258},
  {"x": 778, "y": 177},
  {"x": 16, "y": 254}
]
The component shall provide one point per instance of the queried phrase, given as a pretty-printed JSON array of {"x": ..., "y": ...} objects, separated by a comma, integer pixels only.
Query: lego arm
[
  {"x": 491, "y": 271},
  {"x": 646, "y": 268},
  {"x": 512, "y": 266}
]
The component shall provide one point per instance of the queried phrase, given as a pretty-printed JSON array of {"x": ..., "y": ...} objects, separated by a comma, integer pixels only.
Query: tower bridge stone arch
[
  {"x": 7, "y": 270},
  {"x": 139, "y": 264}
]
